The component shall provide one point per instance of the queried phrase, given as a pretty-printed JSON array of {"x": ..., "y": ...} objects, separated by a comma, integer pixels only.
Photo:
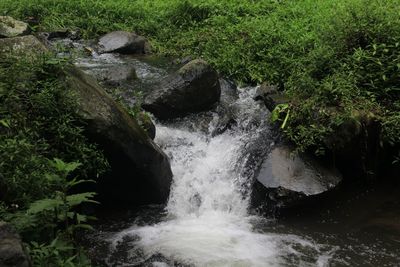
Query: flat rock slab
[
  {"x": 10, "y": 27},
  {"x": 286, "y": 177},
  {"x": 124, "y": 43},
  {"x": 284, "y": 169}
]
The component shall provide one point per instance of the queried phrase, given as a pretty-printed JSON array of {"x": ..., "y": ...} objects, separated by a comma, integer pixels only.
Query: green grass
[{"x": 337, "y": 60}]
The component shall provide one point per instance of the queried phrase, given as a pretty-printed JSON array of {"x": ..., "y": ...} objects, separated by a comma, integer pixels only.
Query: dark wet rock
[
  {"x": 12, "y": 253},
  {"x": 194, "y": 87},
  {"x": 286, "y": 178},
  {"x": 226, "y": 118},
  {"x": 141, "y": 172},
  {"x": 229, "y": 93},
  {"x": 357, "y": 146},
  {"x": 10, "y": 27},
  {"x": 270, "y": 95},
  {"x": 124, "y": 43},
  {"x": 23, "y": 45}
]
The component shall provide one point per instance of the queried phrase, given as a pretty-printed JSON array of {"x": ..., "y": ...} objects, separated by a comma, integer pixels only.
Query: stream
[{"x": 208, "y": 220}]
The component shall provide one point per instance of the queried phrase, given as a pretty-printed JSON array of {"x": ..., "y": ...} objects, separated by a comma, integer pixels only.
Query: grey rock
[
  {"x": 124, "y": 43},
  {"x": 10, "y": 27},
  {"x": 12, "y": 253},
  {"x": 194, "y": 87},
  {"x": 285, "y": 178}
]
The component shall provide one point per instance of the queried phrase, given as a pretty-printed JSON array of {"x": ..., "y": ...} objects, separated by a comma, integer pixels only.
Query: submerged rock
[
  {"x": 141, "y": 172},
  {"x": 194, "y": 87},
  {"x": 10, "y": 27},
  {"x": 114, "y": 75},
  {"x": 286, "y": 178},
  {"x": 124, "y": 43},
  {"x": 12, "y": 253}
]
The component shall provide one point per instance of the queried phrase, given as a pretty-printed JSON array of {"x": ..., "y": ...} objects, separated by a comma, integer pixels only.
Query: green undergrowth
[
  {"x": 337, "y": 60},
  {"x": 44, "y": 157}
]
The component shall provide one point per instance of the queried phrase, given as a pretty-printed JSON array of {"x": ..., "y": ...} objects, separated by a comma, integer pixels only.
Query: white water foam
[{"x": 208, "y": 223}]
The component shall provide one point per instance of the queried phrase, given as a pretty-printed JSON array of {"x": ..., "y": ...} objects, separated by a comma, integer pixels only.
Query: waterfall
[{"x": 208, "y": 223}]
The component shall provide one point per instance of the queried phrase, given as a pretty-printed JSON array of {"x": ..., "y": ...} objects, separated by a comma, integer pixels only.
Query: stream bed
[{"x": 208, "y": 220}]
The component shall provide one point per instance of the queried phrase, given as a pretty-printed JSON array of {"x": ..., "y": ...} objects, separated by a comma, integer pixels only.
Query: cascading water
[{"x": 207, "y": 221}]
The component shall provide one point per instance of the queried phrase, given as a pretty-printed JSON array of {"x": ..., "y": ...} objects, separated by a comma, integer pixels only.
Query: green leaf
[
  {"x": 43, "y": 205},
  {"x": 76, "y": 182},
  {"x": 62, "y": 166},
  {"x": 5, "y": 123},
  {"x": 76, "y": 199}
]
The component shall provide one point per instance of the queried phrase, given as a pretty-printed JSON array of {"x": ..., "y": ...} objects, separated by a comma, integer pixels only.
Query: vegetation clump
[
  {"x": 40, "y": 132},
  {"x": 337, "y": 60}
]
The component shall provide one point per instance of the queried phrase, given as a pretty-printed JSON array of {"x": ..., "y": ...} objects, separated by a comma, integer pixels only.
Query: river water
[{"x": 207, "y": 220}]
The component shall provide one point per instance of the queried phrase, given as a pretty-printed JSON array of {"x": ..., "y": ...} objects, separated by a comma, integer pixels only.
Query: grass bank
[{"x": 338, "y": 61}]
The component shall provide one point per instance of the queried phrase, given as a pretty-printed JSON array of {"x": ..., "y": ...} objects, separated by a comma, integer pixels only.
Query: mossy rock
[
  {"x": 22, "y": 45},
  {"x": 141, "y": 171},
  {"x": 10, "y": 27}
]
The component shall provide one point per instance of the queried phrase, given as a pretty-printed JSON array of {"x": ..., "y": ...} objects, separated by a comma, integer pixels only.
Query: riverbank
[{"x": 336, "y": 61}]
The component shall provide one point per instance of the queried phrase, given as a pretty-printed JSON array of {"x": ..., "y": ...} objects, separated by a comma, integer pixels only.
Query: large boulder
[
  {"x": 141, "y": 172},
  {"x": 287, "y": 178},
  {"x": 10, "y": 27},
  {"x": 194, "y": 87},
  {"x": 23, "y": 45},
  {"x": 124, "y": 43},
  {"x": 12, "y": 253}
]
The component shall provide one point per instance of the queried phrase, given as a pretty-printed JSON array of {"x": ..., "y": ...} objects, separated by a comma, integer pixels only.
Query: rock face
[
  {"x": 141, "y": 171},
  {"x": 194, "y": 87},
  {"x": 11, "y": 250},
  {"x": 285, "y": 179},
  {"x": 124, "y": 43},
  {"x": 270, "y": 95},
  {"x": 22, "y": 45},
  {"x": 10, "y": 27}
]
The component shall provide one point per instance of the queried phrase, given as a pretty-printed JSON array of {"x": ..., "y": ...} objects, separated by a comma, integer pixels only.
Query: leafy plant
[
  {"x": 60, "y": 207},
  {"x": 278, "y": 111}
]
